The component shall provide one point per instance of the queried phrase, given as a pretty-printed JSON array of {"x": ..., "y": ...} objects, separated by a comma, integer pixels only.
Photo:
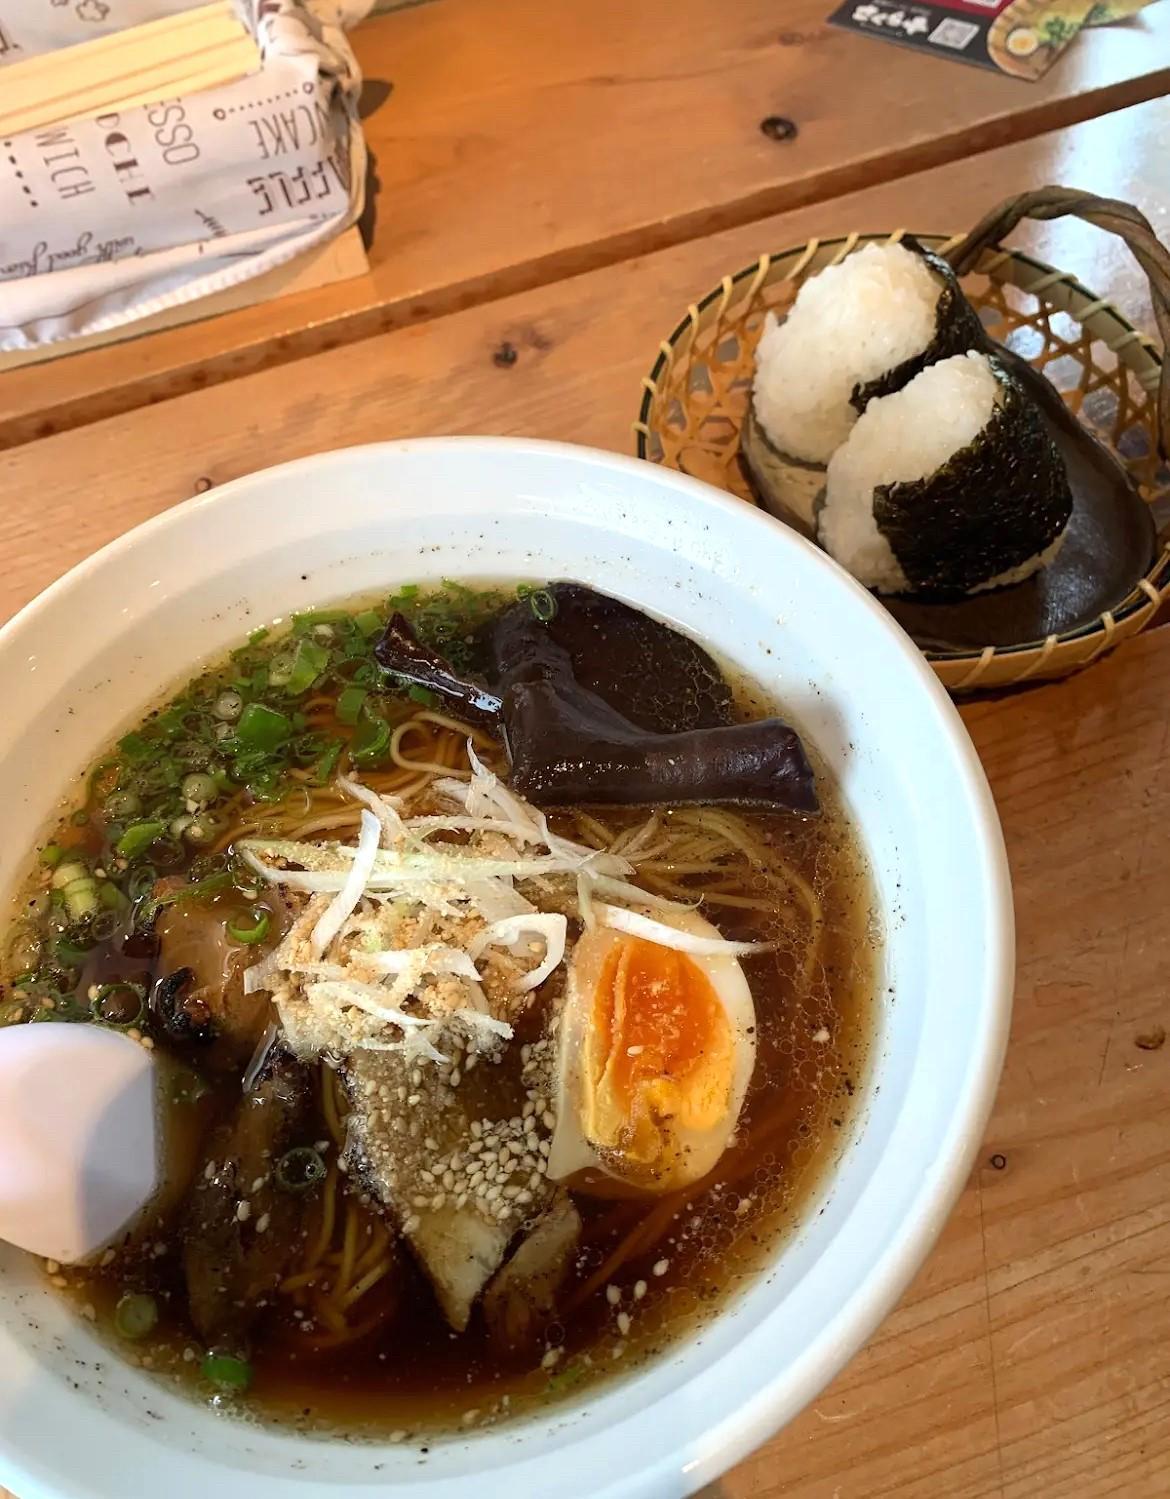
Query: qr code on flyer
[{"x": 956, "y": 34}]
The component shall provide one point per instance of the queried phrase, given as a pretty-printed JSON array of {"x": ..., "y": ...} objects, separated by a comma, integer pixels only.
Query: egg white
[{"x": 573, "y": 1154}]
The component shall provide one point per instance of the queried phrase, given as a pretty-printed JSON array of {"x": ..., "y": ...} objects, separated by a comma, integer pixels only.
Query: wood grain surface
[
  {"x": 581, "y": 347},
  {"x": 1032, "y": 1356},
  {"x": 516, "y": 142}
]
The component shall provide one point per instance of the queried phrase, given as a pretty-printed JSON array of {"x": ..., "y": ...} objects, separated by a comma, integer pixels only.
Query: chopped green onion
[
  {"x": 110, "y": 896},
  {"x": 227, "y": 1373},
  {"x": 141, "y": 882},
  {"x": 368, "y": 621},
  {"x": 258, "y": 635},
  {"x": 228, "y": 706},
  {"x": 250, "y": 934},
  {"x": 79, "y": 818},
  {"x": 543, "y": 605},
  {"x": 305, "y": 748},
  {"x": 422, "y": 695},
  {"x": 136, "y": 1315},
  {"x": 199, "y": 787},
  {"x": 51, "y": 855},
  {"x": 327, "y": 764},
  {"x": 310, "y": 661},
  {"x": 192, "y": 754},
  {"x": 135, "y": 747},
  {"x": 349, "y": 704},
  {"x": 122, "y": 804},
  {"x": 103, "y": 925},
  {"x": 366, "y": 675},
  {"x": 262, "y": 727},
  {"x": 300, "y": 1169},
  {"x": 303, "y": 623},
  {"x": 404, "y": 595},
  {"x": 119, "y": 1005},
  {"x": 205, "y": 828},
  {"x": 137, "y": 838},
  {"x": 68, "y": 871},
  {"x": 370, "y": 742}
]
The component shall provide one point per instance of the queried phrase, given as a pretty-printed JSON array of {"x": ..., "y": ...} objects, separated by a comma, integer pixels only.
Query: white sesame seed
[
  {"x": 545, "y": 1147},
  {"x": 551, "y": 1358},
  {"x": 529, "y": 1109},
  {"x": 146, "y": 1043},
  {"x": 511, "y": 1193},
  {"x": 548, "y": 1119},
  {"x": 639, "y": 1289},
  {"x": 470, "y": 1417},
  {"x": 540, "y": 1104},
  {"x": 476, "y": 1130},
  {"x": 470, "y": 1063},
  {"x": 431, "y": 1143},
  {"x": 257, "y": 1184},
  {"x": 661, "y": 1267},
  {"x": 448, "y": 1180},
  {"x": 411, "y": 1223},
  {"x": 613, "y": 1294},
  {"x": 821, "y": 1036},
  {"x": 189, "y": 1355},
  {"x": 52, "y": 1267},
  {"x": 456, "y": 1077},
  {"x": 428, "y": 1177},
  {"x": 618, "y": 1351},
  {"x": 243, "y": 1211},
  {"x": 623, "y": 1322},
  {"x": 438, "y": 1200},
  {"x": 396, "y": 1437},
  {"x": 262, "y": 1223},
  {"x": 634, "y": 1051},
  {"x": 461, "y": 1199},
  {"x": 416, "y": 1077},
  {"x": 109, "y": 1257},
  {"x": 418, "y": 1201},
  {"x": 413, "y": 1099},
  {"x": 492, "y": 1194}
]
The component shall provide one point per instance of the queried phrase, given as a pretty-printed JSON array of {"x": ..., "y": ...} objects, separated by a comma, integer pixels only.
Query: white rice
[
  {"x": 899, "y": 437},
  {"x": 850, "y": 324}
]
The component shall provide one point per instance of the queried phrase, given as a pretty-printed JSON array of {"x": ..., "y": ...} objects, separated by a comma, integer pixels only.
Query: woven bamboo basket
[{"x": 1108, "y": 373}]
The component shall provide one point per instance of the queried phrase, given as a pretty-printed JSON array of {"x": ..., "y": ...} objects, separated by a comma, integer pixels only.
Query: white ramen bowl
[{"x": 84, "y": 661}]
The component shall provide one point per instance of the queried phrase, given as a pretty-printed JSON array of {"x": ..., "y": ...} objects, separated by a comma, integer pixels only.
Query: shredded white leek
[
  {"x": 551, "y": 926},
  {"x": 339, "y": 910},
  {"x": 663, "y": 935},
  {"x": 384, "y": 808}
]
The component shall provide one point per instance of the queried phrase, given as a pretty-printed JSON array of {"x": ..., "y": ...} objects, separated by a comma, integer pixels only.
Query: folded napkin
[{"x": 107, "y": 220}]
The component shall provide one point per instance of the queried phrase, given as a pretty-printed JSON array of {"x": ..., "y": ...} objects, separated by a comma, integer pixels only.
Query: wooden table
[
  {"x": 1032, "y": 1355},
  {"x": 517, "y": 142}
]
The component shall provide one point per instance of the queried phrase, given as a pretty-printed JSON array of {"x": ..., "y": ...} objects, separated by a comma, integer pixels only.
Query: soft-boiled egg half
[{"x": 655, "y": 1051}]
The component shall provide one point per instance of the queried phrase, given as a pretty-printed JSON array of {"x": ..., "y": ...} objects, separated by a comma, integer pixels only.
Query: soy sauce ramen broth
[{"x": 647, "y": 1270}]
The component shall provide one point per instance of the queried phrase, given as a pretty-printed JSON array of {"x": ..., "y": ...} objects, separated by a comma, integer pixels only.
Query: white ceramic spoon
[{"x": 79, "y": 1157}]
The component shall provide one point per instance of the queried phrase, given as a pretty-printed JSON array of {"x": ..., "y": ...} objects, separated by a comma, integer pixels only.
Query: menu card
[{"x": 1020, "y": 37}]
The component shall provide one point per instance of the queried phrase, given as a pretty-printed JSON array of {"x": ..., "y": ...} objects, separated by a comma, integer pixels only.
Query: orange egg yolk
[{"x": 660, "y": 1055}]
